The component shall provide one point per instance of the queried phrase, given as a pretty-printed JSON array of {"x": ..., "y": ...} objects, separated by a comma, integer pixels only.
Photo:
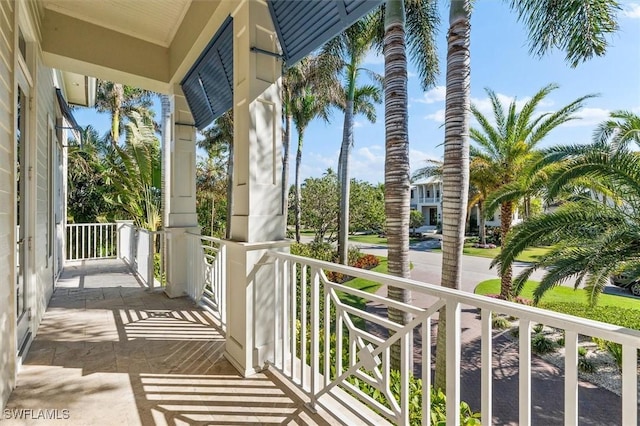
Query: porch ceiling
[{"x": 155, "y": 21}]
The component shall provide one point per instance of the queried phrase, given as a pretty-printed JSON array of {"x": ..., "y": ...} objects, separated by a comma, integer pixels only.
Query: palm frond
[{"x": 579, "y": 28}]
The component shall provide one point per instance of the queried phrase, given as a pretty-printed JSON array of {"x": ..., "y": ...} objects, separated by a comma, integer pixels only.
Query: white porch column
[
  {"x": 180, "y": 190},
  {"x": 257, "y": 223}
]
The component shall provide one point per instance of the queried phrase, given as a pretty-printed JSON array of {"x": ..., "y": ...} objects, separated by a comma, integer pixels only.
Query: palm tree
[
  {"x": 592, "y": 240},
  {"x": 311, "y": 87},
  {"x": 135, "y": 174},
  {"x": 507, "y": 148},
  {"x": 578, "y": 28},
  {"x": 350, "y": 48},
  {"x": 218, "y": 142},
  {"x": 119, "y": 101},
  {"x": 421, "y": 22},
  {"x": 621, "y": 129}
]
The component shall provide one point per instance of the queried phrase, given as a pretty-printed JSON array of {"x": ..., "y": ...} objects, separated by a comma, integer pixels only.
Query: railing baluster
[
  {"x": 327, "y": 334},
  {"x": 277, "y": 266},
  {"x": 339, "y": 338},
  {"x": 315, "y": 334},
  {"x": 486, "y": 363},
  {"x": 303, "y": 325},
  {"x": 453, "y": 362},
  {"x": 405, "y": 373},
  {"x": 629, "y": 385},
  {"x": 524, "y": 378},
  {"x": 294, "y": 317},
  {"x": 570, "y": 378},
  {"x": 285, "y": 312},
  {"x": 426, "y": 372}
]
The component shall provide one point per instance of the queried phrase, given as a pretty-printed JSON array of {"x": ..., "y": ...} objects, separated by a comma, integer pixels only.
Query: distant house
[{"x": 426, "y": 197}]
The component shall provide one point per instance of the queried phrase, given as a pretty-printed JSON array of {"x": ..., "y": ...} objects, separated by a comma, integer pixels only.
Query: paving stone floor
[{"x": 110, "y": 352}]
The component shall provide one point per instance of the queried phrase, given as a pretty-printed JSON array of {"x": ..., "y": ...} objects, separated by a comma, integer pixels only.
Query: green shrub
[
  {"x": 615, "y": 350},
  {"x": 438, "y": 401},
  {"x": 585, "y": 365},
  {"x": 499, "y": 322},
  {"x": 538, "y": 328},
  {"x": 624, "y": 317},
  {"x": 541, "y": 344},
  {"x": 582, "y": 351}
]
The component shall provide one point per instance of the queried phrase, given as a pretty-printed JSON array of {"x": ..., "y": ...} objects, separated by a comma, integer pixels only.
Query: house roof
[{"x": 427, "y": 181}]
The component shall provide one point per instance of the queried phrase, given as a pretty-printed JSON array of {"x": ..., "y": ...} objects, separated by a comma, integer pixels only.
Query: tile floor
[{"x": 110, "y": 352}]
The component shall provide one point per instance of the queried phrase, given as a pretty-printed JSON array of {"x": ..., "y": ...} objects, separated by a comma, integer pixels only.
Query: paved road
[{"x": 427, "y": 265}]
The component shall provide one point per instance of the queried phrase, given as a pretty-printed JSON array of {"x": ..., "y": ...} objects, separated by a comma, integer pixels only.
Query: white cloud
[
  {"x": 411, "y": 74},
  {"x": 589, "y": 117},
  {"x": 437, "y": 94},
  {"x": 484, "y": 104},
  {"x": 374, "y": 58},
  {"x": 632, "y": 10},
  {"x": 437, "y": 116},
  {"x": 357, "y": 124},
  {"x": 418, "y": 159}
]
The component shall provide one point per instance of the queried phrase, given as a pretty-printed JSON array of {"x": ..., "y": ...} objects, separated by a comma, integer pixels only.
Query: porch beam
[{"x": 85, "y": 48}]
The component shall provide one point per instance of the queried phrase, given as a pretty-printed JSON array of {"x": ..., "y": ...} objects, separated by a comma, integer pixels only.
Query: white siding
[
  {"x": 44, "y": 111},
  {"x": 7, "y": 204}
]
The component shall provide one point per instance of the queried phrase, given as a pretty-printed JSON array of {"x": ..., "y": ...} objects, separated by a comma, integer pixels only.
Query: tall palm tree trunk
[
  {"x": 483, "y": 224},
  {"x": 118, "y": 90},
  {"x": 396, "y": 170},
  {"x": 286, "y": 143},
  {"x": 345, "y": 190},
  {"x": 298, "y": 193},
  {"x": 456, "y": 163},
  {"x": 506, "y": 215}
]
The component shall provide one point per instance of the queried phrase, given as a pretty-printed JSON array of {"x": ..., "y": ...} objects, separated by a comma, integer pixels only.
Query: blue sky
[{"x": 500, "y": 60}]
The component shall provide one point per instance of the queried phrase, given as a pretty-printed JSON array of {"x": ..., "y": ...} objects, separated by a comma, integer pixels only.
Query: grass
[
  {"x": 364, "y": 285},
  {"x": 561, "y": 294},
  {"x": 528, "y": 255}
]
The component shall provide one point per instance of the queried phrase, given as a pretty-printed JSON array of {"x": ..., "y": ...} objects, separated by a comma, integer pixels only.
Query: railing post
[
  {"x": 524, "y": 378},
  {"x": 486, "y": 363},
  {"x": 151, "y": 260},
  {"x": 453, "y": 362},
  {"x": 629, "y": 385},
  {"x": 315, "y": 334}
]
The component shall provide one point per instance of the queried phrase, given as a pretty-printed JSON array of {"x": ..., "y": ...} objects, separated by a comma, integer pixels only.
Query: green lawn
[
  {"x": 561, "y": 294},
  {"x": 364, "y": 285},
  {"x": 617, "y": 310},
  {"x": 528, "y": 255}
]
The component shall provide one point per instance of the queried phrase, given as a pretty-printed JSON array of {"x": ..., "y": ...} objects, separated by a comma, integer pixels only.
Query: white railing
[
  {"x": 312, "y": 321},
  {"x": 139, "y": 248},
  {"x": 91, "y": 241},
  {"x": 432, "y": 200},
  {"x": 207, "y": 257}
]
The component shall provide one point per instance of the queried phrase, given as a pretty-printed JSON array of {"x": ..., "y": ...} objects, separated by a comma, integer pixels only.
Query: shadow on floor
[{"x": 110, "y": 352}]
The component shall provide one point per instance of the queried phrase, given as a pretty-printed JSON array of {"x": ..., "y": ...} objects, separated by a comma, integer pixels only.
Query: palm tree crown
[
  {"x": 591, "y": 239},
  {"x": 505, "y": 149}
]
